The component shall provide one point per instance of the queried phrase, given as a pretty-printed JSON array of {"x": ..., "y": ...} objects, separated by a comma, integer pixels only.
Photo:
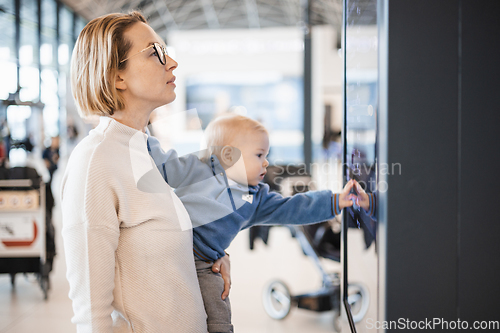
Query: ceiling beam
[
  {"x": 183, "y": 11},
  {"x": 114, "y": 6},
  {"x": 132, "y": 5},
  {"x": 165, "y": 15},
  {"x": 291, "y": 8},
  {"x": 210, "y": 14},
  {"x": 149, "y": 10},
  {"x": 220, "y": 14},
  {"x": 252, "y": 14},
  {"x": 196, "y": 20}
]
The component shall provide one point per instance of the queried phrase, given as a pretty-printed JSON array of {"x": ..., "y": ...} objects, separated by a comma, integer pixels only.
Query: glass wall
[
  {"x": 46, "y": 31},
  {"x": 29, "y": 52},
  {"x": 48, "y": 59},
  {"x": 8, "y": 63}
]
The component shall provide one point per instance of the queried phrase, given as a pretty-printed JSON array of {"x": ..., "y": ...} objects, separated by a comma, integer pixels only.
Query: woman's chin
[
  {"x": 170, "y": 97},
  {"x": 165, "y": 102}
]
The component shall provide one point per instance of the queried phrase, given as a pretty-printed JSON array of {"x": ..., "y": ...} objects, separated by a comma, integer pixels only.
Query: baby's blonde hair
[
  {"x": 96, "y": 61},
  {"x": 226, "y": 129}
]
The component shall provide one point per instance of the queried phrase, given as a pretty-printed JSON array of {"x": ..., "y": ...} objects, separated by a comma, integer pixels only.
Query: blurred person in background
[
  {"x": 3, "y": 160},
  {"x": 51, "y": 157},
  {"x": 72, "y": 135},
  {"x": 5, "y": 130}
]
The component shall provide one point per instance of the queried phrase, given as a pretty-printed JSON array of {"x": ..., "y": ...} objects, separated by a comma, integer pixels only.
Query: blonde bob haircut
[
  {"x": 96, "y": 61},
  {"x": 226, "y": 130}
]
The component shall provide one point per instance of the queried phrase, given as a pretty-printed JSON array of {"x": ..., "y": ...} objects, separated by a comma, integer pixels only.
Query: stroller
[{"x": 317, "y": 241}]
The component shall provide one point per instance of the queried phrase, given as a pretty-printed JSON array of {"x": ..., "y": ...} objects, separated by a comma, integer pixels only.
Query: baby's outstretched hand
[
  {"x": 362, "y": 198},
  {"x": 346, "y": 196}
]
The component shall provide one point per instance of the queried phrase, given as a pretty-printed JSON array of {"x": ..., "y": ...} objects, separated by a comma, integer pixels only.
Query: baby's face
[{"x": 254, "y": 148}]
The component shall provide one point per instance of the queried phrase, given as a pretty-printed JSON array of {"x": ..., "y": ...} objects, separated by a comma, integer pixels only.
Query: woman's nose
[{"x": 171, "y": 64}]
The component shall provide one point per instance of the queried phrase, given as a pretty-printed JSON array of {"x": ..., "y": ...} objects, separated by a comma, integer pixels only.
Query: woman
[{"x": 129, "y": 262}]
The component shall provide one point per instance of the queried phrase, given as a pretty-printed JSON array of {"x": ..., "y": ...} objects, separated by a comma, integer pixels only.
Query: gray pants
[{"x": 218, "y": 310}]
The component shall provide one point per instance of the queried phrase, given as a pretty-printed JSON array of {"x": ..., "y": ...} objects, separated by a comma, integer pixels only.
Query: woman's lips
[{"x": 171, "y": 81}]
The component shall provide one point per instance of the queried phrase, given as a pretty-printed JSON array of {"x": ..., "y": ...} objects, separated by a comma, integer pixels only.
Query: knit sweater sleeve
[{"x": 90, "y": 235}]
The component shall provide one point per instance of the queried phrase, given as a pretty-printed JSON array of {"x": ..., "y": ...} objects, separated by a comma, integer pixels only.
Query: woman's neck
[{"x": 136, "y": 120}]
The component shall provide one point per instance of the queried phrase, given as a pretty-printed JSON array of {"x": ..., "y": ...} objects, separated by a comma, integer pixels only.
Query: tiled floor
[{"x": 23, "y": 310}]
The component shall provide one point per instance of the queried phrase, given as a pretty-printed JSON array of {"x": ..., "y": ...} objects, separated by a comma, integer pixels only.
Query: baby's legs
[{"x": 218, "y": 310}]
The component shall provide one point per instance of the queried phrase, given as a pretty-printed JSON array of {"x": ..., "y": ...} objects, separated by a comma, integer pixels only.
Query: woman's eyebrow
[{"x": 151, "y": 43}]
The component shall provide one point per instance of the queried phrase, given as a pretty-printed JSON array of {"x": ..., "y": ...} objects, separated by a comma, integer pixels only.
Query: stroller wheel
[
  {"x": 277, "y": 300},
  {"x": 359, "y": 300}
]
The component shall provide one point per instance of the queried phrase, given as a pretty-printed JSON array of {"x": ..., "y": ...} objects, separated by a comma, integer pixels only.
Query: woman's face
[{"x": 145, "y": 82}]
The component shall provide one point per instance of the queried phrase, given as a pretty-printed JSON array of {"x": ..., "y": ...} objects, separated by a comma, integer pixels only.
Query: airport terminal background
[
  {"x": 256, "y": 72},
  {"x": 439, "y": 260}
]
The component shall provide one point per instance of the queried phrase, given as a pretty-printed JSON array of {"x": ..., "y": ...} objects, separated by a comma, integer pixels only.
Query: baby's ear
[
  {"x": 227, "y": 155},
  {"x": 230, "y": 155}
]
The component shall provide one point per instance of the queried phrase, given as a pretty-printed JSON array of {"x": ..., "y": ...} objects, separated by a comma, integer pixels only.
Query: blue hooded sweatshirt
[{"x": 220, "y": 208}]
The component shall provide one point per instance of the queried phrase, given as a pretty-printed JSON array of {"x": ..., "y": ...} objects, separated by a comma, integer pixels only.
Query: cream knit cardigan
[{"x": 128, "y": 252}]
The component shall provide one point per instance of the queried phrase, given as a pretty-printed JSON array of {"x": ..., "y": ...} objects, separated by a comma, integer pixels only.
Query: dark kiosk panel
[{"x": 437, "y": 117}]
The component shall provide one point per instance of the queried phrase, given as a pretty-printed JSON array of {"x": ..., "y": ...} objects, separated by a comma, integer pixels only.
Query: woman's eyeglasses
[{"x": 161, "y": 53}]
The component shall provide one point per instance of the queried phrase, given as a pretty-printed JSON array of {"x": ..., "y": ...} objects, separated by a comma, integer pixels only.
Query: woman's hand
[{"x": 223, "y": 266}]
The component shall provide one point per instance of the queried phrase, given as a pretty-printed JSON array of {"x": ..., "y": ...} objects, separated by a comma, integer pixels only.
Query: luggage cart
[{"x": 22, "y": 229}]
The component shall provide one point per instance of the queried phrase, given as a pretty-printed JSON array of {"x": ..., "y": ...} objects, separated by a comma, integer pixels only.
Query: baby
[{"x": 224, "y": 194}]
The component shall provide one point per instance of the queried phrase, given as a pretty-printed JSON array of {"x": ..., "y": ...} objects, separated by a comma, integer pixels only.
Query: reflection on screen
[{"x": 361, "y": 105}]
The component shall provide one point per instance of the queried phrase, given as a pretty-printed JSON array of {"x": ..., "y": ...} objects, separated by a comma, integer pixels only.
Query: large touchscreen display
[{"x": 360, "y": 161}]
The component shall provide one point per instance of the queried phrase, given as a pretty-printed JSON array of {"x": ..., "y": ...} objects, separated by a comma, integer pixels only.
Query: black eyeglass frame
[{"x": 160, "y": 49}]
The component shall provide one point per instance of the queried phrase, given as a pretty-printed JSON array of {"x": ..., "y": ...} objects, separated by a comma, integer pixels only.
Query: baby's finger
[
  {"x": 216, "y": 267},
  {"x": 347, "y": 203},
  {"x": 352, "y": 196},
  {"x": 348, "y": 186},
  {"x": 359, "y": 189},
  {"x": 227, "y": 286}
]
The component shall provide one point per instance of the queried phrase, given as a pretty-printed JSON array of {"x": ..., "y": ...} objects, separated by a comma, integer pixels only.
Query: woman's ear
[{"x": 120, "y": 82}]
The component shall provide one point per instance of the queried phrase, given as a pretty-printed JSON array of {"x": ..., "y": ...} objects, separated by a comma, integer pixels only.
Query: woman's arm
[{"x": 90, "y": 235}]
